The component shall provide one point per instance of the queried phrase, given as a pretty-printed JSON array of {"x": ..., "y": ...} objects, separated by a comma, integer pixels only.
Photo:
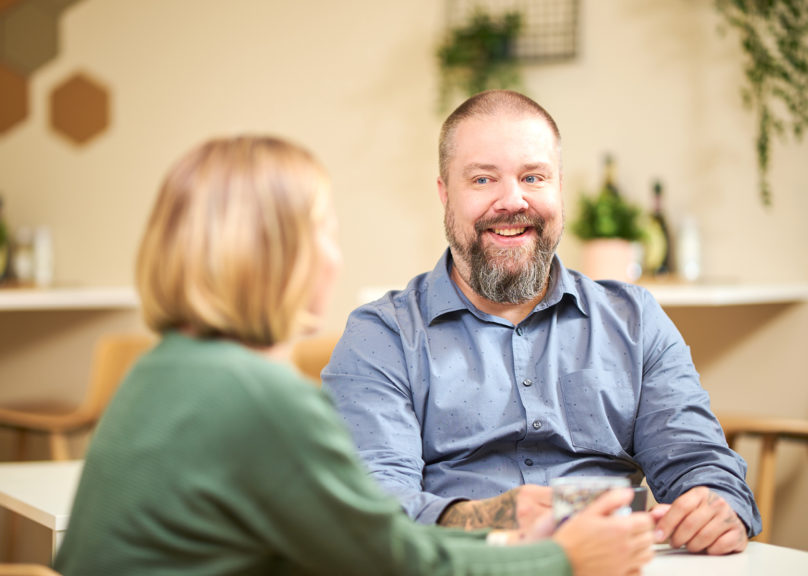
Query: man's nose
[{"x": 511, "y": 198}]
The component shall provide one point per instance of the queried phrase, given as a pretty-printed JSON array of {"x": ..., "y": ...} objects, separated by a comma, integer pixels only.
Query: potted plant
[
  {"x": 611, "y": 228},
  {"x": 479, "y": 55}
]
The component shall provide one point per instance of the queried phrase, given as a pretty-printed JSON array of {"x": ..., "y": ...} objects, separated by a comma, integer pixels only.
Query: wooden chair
[
  {"x": 113, "y": 356},
  {"x": 310, "y": 355},
  {"x": 770, "y": 430},
  {"x": 26, "y": 570}
]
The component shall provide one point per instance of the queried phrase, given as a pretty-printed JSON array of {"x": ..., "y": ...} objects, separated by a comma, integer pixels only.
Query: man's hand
[
  {"x": 520, "y": 507},
  {"x": 702, "y": 521}
]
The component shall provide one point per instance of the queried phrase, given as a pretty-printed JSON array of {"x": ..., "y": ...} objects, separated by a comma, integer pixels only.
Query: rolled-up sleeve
[{"x": 678, "y": 441}]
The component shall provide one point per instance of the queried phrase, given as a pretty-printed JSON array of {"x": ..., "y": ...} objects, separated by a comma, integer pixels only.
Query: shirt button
[
  {"x": 536, "y": 424},
  {"x": 527, "y": 382},
  {"x": 529, "y": 462},
  {"x": 518, "y": 330}
]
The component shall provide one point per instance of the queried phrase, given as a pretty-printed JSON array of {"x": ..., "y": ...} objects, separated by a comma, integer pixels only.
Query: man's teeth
[{"x": 509, "y": 231}]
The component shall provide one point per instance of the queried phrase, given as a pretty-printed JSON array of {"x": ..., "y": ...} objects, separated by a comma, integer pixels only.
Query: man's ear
[{"x": 442, "y": 193}]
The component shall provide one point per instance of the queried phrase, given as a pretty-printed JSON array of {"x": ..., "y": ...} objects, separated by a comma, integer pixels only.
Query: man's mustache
[{"x": 511, "y": 221}]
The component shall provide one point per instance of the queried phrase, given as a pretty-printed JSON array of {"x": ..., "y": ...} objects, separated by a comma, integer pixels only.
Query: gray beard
[{"x": 491, "y": 274}]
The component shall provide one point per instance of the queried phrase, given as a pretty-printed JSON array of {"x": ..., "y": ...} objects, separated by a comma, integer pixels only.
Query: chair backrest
[
  {"x": 26, "y": 570},
  {"x": 310, "y": 355},
  {"x": 113, "y": 357},
  {"x": 770, "y": 430}
]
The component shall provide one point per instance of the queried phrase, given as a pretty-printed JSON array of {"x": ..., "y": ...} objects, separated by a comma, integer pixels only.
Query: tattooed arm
[{"x": 517, "y": 508}]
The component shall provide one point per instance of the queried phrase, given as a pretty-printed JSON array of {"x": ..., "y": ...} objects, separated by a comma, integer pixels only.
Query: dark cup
[{"x": 640, "y": 501}]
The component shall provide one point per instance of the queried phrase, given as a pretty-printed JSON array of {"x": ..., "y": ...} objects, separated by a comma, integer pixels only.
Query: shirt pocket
[{"x": 599, "y": 406}]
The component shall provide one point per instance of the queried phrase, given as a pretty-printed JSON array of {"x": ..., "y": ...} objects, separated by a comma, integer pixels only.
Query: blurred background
[{"x": 118, "y": 90}]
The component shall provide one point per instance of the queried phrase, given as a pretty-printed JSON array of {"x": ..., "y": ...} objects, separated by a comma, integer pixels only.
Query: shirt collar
[{"x": 443, "y": 296}]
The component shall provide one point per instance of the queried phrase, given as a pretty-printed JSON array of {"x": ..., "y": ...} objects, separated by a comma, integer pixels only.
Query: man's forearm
[{"x": 498, "y": 512}]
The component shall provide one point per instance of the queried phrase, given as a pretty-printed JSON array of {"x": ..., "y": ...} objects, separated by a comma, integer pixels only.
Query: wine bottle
[
  {"x": 609, "y": 187},
  {"x": 658, "y": 242}
]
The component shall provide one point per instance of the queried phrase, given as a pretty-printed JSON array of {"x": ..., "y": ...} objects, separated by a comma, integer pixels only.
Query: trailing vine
[{"x": 774, "y": 38}]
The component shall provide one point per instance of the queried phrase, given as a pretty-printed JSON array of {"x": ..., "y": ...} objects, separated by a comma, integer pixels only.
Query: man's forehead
[
  {"x": 478, "y": 127},
  {"x": 505, "y": 116},
  {"x": 481, "y": 139}
]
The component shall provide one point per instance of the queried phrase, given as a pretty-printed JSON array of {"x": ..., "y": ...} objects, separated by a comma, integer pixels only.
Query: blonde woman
[{"x": 216, "y": 457}]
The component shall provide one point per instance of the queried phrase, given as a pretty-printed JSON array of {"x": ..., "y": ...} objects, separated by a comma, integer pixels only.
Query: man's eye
[
  {"x": 532, "y": 179},
  {"x": 481, "y": 180}
]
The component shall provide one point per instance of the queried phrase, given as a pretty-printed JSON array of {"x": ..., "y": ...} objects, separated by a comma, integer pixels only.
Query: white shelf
[
  {"x": 69, "y": 298},
  {"x": 727, "y": 294},
  {"x": 125, "y": 297},
  {"x": 682, "y": 295}
]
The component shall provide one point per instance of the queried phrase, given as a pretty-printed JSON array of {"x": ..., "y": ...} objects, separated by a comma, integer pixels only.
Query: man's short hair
[{"x": 488, "y": 103}]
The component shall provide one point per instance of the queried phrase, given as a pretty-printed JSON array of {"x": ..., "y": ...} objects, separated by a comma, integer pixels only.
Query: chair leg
[
  {"x": 19, "y": 453},
  {"x": 764, "y": 492},
  {"x": 58, "y": 446},
  {"x": 12, "y": 525},
  {"x": 731, "y": 440}
]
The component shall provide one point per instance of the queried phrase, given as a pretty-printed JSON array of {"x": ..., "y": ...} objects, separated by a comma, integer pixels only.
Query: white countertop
[
  {"x": 68, "y": 298},
  {"x": 125, "y": 297},
  {"x": 727, "y": 294},
  {"x": 675, "y": 294},
  {"x": 41, "y": 491}
]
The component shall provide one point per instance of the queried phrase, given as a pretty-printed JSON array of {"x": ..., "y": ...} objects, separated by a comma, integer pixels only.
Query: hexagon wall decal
[
  {"x": 30, "y": 36},
  {"x": 13, "y": 98},
  {"x": 61, "y": 5},
  {"x": 79, "y": 108},
  {"x": 7, "y": 4}
]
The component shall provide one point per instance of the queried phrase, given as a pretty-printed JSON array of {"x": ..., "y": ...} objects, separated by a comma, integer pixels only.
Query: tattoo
[{"x": 498, "y": 512}]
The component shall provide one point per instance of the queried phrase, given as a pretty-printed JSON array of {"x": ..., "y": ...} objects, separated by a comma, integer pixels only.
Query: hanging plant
[
  {"x": 774, "y": 38},
  {"x": 479, "y": 55}
]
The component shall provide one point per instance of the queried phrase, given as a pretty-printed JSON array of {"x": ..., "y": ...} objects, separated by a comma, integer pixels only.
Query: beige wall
[{"x": 655, "y": 84}]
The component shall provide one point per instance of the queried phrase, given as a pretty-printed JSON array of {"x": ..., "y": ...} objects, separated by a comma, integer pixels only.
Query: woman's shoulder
[{"x": 226, "y": 372}]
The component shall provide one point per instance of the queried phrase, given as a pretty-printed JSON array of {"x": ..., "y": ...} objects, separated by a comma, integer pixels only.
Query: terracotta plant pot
[{"x": 611, "y": 259}]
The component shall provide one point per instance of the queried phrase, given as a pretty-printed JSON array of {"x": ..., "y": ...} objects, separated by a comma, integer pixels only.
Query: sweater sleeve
[{"x": 317, "y": 505}]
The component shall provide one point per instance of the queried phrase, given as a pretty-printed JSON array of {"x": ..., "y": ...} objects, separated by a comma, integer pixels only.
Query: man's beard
[{"x": 504, "y": 275}]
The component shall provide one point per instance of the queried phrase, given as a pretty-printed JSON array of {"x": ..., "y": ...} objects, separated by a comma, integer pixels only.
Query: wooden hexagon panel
[
  {"x": 79, "y": 108},
  {"x": 13, "y": 98}
]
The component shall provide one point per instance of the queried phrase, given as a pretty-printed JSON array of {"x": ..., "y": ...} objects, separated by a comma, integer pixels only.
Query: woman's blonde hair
[{"x": 229, "y": 249}]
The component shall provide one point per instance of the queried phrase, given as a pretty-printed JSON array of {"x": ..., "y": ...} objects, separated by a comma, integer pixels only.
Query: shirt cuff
[{"x": 430, "y": 513}]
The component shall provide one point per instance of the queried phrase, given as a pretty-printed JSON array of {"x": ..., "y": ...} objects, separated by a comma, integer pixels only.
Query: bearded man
[{"x": 499, "y": 370}]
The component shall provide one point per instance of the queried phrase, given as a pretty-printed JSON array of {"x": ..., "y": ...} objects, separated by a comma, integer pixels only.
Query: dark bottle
[
  {"x": 658, "y": 243},
  {"x": 609, "y": 188}
]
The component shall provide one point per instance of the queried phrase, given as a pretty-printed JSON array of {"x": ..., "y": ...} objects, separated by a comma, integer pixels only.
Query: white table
[
  {"x": 42, "y": 492},
  {"x": 757, "y": 560}
]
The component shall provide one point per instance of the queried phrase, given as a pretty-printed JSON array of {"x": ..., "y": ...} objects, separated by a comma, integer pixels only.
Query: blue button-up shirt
[{"x": 446, "y": 402}]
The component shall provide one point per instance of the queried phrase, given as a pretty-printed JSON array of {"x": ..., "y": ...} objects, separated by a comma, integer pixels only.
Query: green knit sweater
[{"x": 212, "y": 460}]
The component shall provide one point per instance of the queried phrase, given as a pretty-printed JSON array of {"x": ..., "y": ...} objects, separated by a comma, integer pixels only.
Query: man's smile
[{"x": 508, "y": 231}]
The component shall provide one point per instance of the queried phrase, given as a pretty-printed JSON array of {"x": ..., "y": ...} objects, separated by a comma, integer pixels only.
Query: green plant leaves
[
  {"x": 479, "y": 56},
  {"x": 774, "y": 38},
  {"x": 607, "y": 215}
]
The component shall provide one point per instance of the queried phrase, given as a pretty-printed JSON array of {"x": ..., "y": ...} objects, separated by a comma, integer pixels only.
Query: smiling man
[
  {"x": 500, "y": 185},
  {"x": 469, "y": 390}
]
